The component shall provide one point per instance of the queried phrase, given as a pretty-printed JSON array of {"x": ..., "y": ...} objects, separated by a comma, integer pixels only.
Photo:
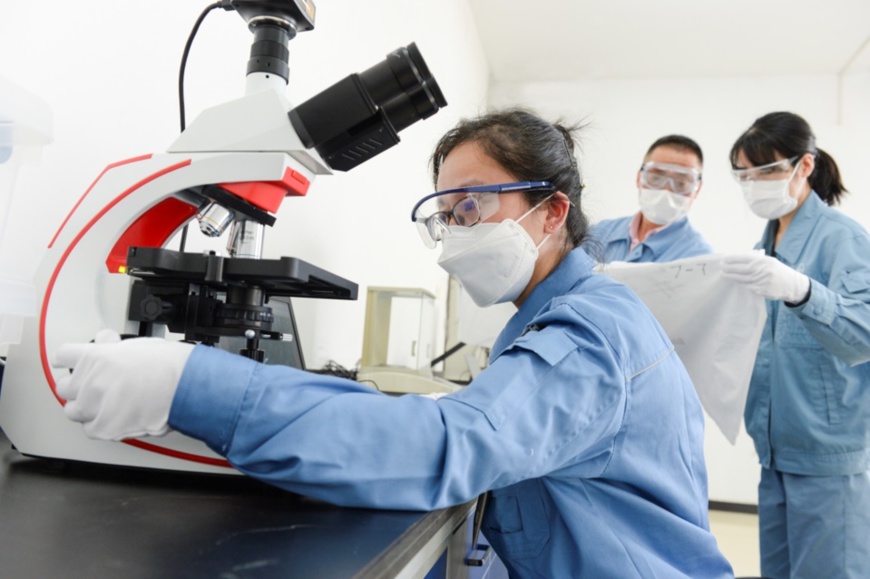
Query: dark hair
[
  {"x": 790, "y": 136},
  {"x": 529, "y": 148},
  {"x": 678, "y": 142}
]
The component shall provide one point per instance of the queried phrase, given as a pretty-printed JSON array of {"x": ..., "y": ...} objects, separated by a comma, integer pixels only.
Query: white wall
[
  {"x": 626, "y": 116},
  {"x": 108, "y": 70}
]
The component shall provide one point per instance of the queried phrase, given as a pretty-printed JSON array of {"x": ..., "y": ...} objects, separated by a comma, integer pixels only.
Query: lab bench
[{"x": 73, "y": 520}]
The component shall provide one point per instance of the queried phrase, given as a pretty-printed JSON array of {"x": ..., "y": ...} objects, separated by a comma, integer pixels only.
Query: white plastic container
[{"x": 25, "y": 128}]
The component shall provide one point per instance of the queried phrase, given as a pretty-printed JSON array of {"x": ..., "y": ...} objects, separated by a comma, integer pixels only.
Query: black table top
[{"x": 65, "y": 519}]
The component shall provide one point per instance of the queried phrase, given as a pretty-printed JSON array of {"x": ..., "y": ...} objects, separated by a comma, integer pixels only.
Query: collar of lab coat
[
  {"x": 796, "y": 236},
  {"x": 574, "y": 268}
]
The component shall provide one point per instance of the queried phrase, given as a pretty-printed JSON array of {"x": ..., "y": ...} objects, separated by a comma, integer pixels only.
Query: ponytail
[{"x": 825, "y": 179}]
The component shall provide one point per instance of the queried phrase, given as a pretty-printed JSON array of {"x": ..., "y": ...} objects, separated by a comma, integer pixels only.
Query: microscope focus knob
[{"x": 153, "y": 308}]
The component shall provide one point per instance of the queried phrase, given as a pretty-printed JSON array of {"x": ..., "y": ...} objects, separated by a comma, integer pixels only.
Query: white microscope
[{"x": 107, "y": 265}]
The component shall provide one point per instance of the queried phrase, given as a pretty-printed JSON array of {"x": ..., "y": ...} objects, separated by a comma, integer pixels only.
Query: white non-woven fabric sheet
[{"x": 714, "y": 323}]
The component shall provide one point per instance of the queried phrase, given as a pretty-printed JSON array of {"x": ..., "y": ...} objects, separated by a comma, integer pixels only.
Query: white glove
[
  {"x": 766, "y": 276},
  {"x": 121, "y": 389}
]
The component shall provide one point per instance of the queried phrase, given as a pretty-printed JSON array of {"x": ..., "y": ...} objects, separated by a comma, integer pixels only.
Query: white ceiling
[{"x": 570, "y": 40}]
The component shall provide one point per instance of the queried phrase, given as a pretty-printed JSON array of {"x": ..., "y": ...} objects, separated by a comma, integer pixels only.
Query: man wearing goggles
[{"x": 668, "y": 183}]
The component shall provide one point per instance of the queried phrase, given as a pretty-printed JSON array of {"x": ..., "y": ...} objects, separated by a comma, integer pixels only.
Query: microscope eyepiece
[
  {"x": 404, "y": 87},
  {"x": 361, "y": 115}
]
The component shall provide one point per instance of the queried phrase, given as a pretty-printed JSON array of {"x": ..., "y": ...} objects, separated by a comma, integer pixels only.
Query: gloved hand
[
  {"x": 766, "y": 276},
  {"x": 121, "y": 389}
]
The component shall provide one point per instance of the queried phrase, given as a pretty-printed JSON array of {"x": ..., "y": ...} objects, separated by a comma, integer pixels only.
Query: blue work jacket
[
  {"x": 676, "y": 241},
  {"x": 808, "y": 408},
  {"x": 585, "y": 426}
]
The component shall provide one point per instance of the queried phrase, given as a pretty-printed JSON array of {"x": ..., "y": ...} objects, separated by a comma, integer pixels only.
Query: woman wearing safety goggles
[
  {"x": 808, "y": 408},
  {"x": 493, "y": 259},
  {"x": 583, "y": 435},
  {"x": 668, "y": 182}
]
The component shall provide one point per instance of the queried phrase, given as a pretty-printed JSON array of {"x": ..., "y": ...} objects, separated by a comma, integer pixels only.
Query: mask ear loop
[
  {"x": 796, "y": 167},
  {"x": 793, "y": 173},
  {"x": 523, "y": 216}
]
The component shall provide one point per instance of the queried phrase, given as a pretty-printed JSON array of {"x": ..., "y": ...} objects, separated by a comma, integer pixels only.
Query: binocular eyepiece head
[{"x": 361, "y": 115}]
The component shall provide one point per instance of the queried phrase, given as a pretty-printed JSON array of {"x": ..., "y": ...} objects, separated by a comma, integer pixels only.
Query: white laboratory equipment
[
  {"x": 108, "y": 265},
  {"x": 399, "y": 342}
]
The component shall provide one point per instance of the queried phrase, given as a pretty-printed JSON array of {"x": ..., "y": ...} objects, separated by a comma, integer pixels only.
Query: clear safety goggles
[
  {"x": 770, "y": 172},
  {"x": 679, "y": 179},
  {"x": 465, "y": 206}
]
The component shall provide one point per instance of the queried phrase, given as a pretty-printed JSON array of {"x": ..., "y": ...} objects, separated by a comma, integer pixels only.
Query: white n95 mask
[
  {"x": 663, "y": 207},
  {"x": 493, "y": 261},
  {"x": 769, "y": 199}
]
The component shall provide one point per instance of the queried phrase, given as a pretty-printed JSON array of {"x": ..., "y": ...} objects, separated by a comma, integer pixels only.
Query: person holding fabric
[
  {"x": 808, "y": 408},
  {"x": 585, "y": 427},
  {"x": 668, "y": 183}
]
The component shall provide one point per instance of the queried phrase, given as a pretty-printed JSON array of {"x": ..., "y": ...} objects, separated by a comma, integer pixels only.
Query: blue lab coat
[
  {"x": 676, "y": 241},
  {"x": 585, "y": 426},
  {"x": 808, "y": 408}
]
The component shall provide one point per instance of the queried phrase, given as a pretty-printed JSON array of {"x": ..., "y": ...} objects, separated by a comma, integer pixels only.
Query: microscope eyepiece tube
[
  {"x": 404, "y": 77},
  {"x": 360, "y": 116}
]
